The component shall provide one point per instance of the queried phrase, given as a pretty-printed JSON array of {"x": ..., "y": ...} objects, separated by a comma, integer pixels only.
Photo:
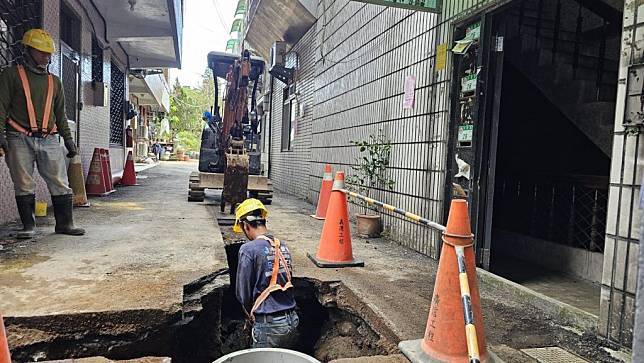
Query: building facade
[
  {"x": 517, "y": 106},
  {"x": 98, "y": 45}
]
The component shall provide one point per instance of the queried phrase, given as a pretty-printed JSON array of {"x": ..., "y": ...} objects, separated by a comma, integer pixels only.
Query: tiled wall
[
  {"x": 290, "y": 169},
  {"x": 364, "y": 55},
  {"x": 622, "y": 229},
  {"x": 93, "y": 121}
]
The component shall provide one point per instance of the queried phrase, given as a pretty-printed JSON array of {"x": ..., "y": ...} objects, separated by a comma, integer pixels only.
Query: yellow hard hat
[
  {"x": 246, "y": 207},
  {"x": 39, "y": 39}
]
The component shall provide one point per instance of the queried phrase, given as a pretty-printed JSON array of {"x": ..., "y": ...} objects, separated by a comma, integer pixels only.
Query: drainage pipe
[
  {"x": 389, "y": 207},
  {"x": 266, "y": 355}
]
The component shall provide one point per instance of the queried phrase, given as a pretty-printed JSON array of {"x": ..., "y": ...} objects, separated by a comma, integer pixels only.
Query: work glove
[
  {"x": 4, "y": 146},
  {"x": 71, "y": 148}
]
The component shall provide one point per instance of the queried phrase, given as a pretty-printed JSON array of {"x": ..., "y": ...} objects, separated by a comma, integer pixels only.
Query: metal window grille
[
  {"x": 70, "y": 82},
  {"x": 70, "y": 28},
  {"x": 117, "y": 99},
  {"x": 16, "y": 17},
  {"x": 97, "y": 61},
  {"x": 567, "y": 210}
]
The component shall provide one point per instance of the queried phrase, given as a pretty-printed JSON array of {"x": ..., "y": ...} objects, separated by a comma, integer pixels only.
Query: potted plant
[{"x": 369, "y": 174}]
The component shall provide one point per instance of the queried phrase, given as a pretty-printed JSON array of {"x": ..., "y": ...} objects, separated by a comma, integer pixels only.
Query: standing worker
[
  {"x": 32, "y": 112},
  {"x": 264, "y": 280}
]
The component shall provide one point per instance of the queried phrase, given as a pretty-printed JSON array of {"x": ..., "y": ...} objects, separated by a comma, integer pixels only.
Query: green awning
[
  {"x": 237, "y": 25},
  {"x": 232, "y": 44},
  {"x": 241, "y": 7}
]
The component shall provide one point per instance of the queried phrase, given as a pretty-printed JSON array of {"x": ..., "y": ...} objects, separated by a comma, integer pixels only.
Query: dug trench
[{"x": 334, "y": 324}]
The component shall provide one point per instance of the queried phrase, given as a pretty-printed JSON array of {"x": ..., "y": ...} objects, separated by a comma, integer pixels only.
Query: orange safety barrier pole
[
  {"x": 334, "y": 249},
  {"x": 325, "y": 193}
]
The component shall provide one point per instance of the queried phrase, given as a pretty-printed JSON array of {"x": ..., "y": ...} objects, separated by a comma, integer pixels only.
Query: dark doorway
[{"x": 548, "y": 79}]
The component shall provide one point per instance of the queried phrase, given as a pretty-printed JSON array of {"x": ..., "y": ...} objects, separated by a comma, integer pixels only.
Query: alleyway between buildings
[{"x": 148, "y": 276}]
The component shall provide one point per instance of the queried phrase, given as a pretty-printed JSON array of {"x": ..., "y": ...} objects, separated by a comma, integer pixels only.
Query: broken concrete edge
[
  {"x": 105, "y": 360},
  {"x": 337, "y": 294},
  {"x": 555, "y": 309},
  {"x": 106, "y": 323},
  {"x": 413, "y": 351}
]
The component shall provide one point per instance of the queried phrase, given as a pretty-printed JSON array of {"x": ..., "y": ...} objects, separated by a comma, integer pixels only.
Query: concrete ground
[
  {"x": 576, "y": 292},
  {"x": 141, "y": 245},
  {"x": 397, "y": 283},
  {"x": 144, "y": 244}
]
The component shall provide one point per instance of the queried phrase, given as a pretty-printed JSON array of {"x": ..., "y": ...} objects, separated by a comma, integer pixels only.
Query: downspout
[{"x": 270, "y": 125}]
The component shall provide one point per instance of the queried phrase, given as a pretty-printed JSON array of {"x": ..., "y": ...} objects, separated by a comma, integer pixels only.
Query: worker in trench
[
  {"x": 32, "y": 116},
  {"x": 264, "y": 280}
]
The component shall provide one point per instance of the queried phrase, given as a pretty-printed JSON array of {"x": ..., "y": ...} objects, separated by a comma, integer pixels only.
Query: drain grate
[{"x": 553, "y": 355}]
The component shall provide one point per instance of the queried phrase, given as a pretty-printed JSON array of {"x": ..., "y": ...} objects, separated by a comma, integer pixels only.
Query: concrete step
[{"x": 394, "y": 358}]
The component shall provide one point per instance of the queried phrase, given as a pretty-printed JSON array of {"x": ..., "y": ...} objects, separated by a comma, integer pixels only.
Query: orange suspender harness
[
  {"x": 273, "y": 285},
  {"x": 30, "y": 107}
]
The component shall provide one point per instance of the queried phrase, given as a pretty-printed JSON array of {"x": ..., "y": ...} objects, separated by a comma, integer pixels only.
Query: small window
[
  {"x": 97, "y": 61},
  {"x": 70, "y": 28},
  {"x": 289, "y": 115}
]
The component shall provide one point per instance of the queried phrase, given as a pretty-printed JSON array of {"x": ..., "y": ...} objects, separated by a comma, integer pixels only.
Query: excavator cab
[{"x": 230, "y": 155}]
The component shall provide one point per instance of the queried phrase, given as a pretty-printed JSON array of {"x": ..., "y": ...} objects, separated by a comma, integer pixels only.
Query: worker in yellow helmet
[
  {"x": 264, "y": 285},
  {"x": 32, "y": 114}
]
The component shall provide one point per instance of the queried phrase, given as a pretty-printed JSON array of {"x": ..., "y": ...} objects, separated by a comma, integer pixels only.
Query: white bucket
[{"x": 266, "y": 355}]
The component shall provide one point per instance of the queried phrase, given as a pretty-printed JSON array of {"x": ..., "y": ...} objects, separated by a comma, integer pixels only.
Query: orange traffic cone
[
  {"x": 325, "y": 193},
  {"x": 447, "y": 335},
  {"x": 5, "y": 356},
  {"x": 107, "y": 170},
  {"x": 335, "y": 249},
  {"x": 95, "y": 184},
  {"x": 77, "y": 182},
  {"x": 129, "y": 175}
]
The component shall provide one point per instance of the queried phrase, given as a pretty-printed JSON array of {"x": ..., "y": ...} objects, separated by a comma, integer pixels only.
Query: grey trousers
[{"x": 46, "y": 153}]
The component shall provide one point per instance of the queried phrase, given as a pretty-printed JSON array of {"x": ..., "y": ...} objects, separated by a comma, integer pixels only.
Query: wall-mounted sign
[
  {"x": 410, "y": 89},
  {"x": 465, "y": 133},
  {"x": 441, "y": 56},
  {"x": 432, "y": 6},
  {"x": 468, "y": 83}
]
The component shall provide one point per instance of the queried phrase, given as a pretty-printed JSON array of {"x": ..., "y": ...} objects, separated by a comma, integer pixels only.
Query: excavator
[{"x": 230, "y": 154}]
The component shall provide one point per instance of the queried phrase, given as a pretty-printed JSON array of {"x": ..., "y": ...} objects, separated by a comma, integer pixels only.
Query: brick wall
[{"x": 93, "y": 121}]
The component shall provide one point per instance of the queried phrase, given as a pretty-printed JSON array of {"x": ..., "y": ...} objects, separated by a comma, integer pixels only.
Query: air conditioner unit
[
  {"x": 278, "y": 63},
  {"x": 278, "y": 54}
]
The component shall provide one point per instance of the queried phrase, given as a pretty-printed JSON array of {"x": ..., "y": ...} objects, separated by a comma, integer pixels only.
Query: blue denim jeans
[
  {"x": 46, "y": 153},
  {"x": 281, "y": 332}
]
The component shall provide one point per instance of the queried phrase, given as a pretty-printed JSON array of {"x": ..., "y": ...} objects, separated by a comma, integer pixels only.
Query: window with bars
[
  {"x": 97, "y": 61},
  {"x": 16, "y": 17},
  {"x": 70, "y": 28},
  {"x": 289, "y": 110},
  {"x": 117, "y": 100}
]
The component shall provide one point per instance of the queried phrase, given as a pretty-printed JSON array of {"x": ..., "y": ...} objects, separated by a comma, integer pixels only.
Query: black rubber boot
[
  {"x": 26, "y": 207},
  {"x": 63, "y": 212}
]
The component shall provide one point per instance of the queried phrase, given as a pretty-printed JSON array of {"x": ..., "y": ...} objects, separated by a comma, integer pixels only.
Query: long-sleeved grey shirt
[{"x": 254, "y": 274}]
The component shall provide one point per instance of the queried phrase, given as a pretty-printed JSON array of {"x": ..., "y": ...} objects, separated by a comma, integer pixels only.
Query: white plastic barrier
[{"x": 266, "y": 355}]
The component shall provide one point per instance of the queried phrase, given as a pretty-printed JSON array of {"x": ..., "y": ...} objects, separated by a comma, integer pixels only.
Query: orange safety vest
[
  {"x": 30, "y": 107},
  {"x": 273, "y": 285}
]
